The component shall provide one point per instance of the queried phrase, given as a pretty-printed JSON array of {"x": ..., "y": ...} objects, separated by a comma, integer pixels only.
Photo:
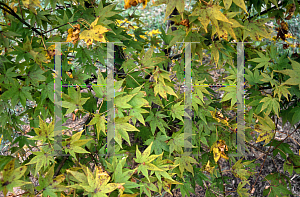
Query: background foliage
[{"x": 149, "y": 137}]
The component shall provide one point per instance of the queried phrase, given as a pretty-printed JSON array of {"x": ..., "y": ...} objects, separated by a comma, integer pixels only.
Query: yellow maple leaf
[
  {"x": 218, "y": 149},
  {"x": 96, "y": 32},
  {"x": 208, "y": 168}
]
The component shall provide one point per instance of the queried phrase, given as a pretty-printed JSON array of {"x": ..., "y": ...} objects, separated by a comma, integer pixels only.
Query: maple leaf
[
  {"x": 73, "y": 144},
  {"x": 229, "y": 95},
  {"x": 96, "y": 32},
  {"x": 218, "y": 149},
  {"x": 94, "y": 183},
  {"x": 157, "y": 121},
  {"x": 99, "y": 121},
  {"x": 73, "y": 34},
  {"x": 242, "y": 191},
  {"x": 159, "y": 143},
  {"x": 184, "y": 163},
  {"x": 239, "y": 171},
  {"x": 44, "y": 133},
  {"x": 263, "y": 60},
  {"x": 144, "y": 159},
  {"x": 270, "y": 104},
  {"x": 73, "y": 100},
  {"x": 282, "y": 90},
  {"x": 122, "y": 126},
  {"x": 43, "y": 158},
  {"x": 163, "y": 89},
  {"x": 294, "y": 74},
  {"x": 265, "y": 129},
  {"x": 9, "y": 177}
]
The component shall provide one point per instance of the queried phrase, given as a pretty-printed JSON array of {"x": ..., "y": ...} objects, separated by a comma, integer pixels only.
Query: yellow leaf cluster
[
  {"x": 218, "y": 149},
  {"x": 96, "y": 32},
  {"x": 30, "y": 4},
  {"x": 73, "y": 34},
  {"x": 50, "y": 52},
  {"x": 208, "y": 168},
  {"x": 153, "y": 32},
  {"x": 129, "y": 3}
]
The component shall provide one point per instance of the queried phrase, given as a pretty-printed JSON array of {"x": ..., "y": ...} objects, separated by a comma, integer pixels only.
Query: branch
[
  {"x": 59, "y": 27},
  {"x": 266, "y": 11},
  {"x": 11, "y": 12},
  {"x": 60, "y": 166}
]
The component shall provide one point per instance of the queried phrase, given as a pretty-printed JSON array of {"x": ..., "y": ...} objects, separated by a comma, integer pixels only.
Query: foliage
[{"x": 154, "y": 161}]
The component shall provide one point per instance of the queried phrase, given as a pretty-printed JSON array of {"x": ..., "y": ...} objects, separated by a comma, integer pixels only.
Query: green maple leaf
[
  {"x": 122, "y": 126},
  {"x": 282, "y": 90},
  {"x": 270, "y": 104},
  {"x": 157, "y": 121},
  {"x": 73, "y": 144},
  {"x": 43, "y": 158},
  {"x": 73, "y": 100},
  {"x": 253, "y": 78},
  {"x": 136, "y": 114},
  {"x": 122, "y": 101},
  {"x": 159, "y": 143},
  {"x": 144, "y": 159},
  {"x": 230, "y": 95},
  {"x": 99, "y": 121},
  {"x": 50, "y": 186},
  {"x": 9, "y": 177},
  {"x": 44, "y": 133},
  {"x": 122, "y": 175},
  {"x": 239, "y": 171},
  {"x": 184, "y": 163},
  {"x": 242, "y": 191},
  {"x": 48, "y": 89},
  {"x": 294, "y": 74},
  {"x": 263, "y": 60},
  {"x": 177, "y": 111},
  {"x": 165, "y": 165},
  {"x": 8, "y": 76},
  {"x": 78, "y": 77}
]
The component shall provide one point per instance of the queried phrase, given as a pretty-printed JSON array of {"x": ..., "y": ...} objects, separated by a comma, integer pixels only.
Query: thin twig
[
  {"x": 11, "y": 12},
  {"x": 59, "y": 27},
  {"x": 61, "y": 164},
  {"x": 224, "y": 194}
]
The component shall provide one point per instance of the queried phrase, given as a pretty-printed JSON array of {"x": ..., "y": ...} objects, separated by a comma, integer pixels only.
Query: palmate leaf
[
  {"x": 159, "y": 143},
  {"x": 122, "y": 126},
  {"x": 263, "y": 60},
  {"x": 185, "y": 163},
  {"x": 239, "y": 171},
  {"x": 242, "y": 192},
  {"x": 99, "y": 121},
  {"x": 44, "y": 133},
  {"x": 294, "y": 74},
  {"x": 265, "y": 129},
  {"x": 163, "y": 89},
  {"x": 9, "y": 177},
  {"x": 144, "y": 159},
  {"x": 271, "y": 104},
  {"x": 97, "y": 182},
  {"x": 156, "y": 120},
  {"x": 73, "y": 144},
  {"x": 230, "y": 95},
  {"x": 73, "y": 100},
  {"x": 43, "y": 158}
]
